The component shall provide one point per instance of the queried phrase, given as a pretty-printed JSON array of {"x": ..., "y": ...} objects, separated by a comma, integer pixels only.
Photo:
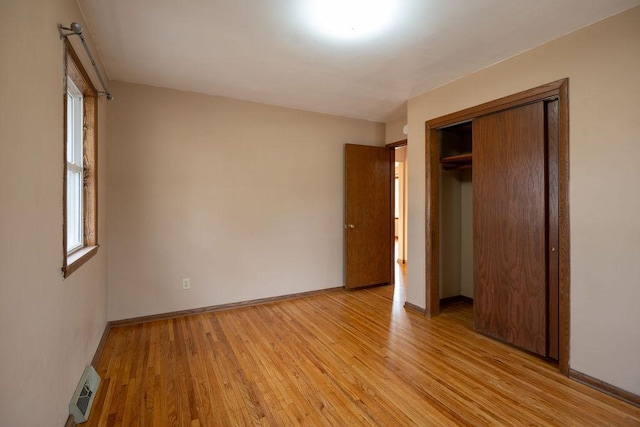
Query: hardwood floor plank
[{"x": 339, "y": 358}]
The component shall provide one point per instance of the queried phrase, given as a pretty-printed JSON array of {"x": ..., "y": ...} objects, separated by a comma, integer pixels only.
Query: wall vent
[{"x": 82, "y": 399}]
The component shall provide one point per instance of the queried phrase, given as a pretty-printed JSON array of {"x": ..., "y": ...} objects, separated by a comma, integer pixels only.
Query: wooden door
[
  {"x": 368, "y": 215},
  {"x": 510, "y": 226}
]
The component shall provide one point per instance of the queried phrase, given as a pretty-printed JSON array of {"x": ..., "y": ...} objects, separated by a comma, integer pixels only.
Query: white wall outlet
[{"x": 186, "y": 283}]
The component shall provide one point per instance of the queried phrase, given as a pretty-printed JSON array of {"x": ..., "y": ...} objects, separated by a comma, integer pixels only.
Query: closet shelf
[{"x": 457, "y": 161}]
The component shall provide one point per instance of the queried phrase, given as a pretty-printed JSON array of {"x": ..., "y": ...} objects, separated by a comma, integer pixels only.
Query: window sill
[{"x": 76, "y": 259}]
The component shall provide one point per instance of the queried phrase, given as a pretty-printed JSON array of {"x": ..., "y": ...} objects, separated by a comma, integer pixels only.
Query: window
[
  {"x": 80, "y": 240},
  {"x": 75, "y": 232}
]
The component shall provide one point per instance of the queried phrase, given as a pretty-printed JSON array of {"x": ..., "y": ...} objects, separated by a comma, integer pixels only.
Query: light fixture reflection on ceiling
[{"x": 351, "y": 19}]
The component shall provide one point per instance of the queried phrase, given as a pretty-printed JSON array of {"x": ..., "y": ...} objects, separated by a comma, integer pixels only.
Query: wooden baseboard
[
  {"x": 604, "y": 387},
  {"x": 455, "y": 299},
  {"x": 70, "y": 422},
  {"x": 414, "y": 308},
  {"x": 214, "y": 308},
  {"x": 103, "y": 340}
]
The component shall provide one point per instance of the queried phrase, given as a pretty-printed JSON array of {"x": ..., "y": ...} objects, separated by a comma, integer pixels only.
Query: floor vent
[{"x": 82, "y": 399}]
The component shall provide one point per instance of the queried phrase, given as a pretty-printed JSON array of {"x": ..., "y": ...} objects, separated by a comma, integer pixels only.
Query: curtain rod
[{"x": 76, "y": 30}]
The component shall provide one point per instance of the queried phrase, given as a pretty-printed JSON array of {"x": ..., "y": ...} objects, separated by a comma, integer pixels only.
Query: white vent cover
[{"x": 82, "y": 399}]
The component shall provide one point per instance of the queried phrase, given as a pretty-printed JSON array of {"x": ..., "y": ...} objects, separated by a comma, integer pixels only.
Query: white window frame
[{"x": 75, "y": 169}]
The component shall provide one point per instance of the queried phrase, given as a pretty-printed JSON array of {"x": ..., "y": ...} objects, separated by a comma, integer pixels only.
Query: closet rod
[{"x": 76, "y": 30}]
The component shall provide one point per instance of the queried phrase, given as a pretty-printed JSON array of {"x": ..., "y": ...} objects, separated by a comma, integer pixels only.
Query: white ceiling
[{"x": 267, "y": 51}]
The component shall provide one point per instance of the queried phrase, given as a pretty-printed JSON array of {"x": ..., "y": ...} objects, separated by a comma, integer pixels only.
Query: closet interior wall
[{"x": 456, "y": 217}]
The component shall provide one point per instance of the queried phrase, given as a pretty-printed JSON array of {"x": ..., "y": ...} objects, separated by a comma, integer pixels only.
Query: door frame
[
  {"x": 558, "y": 89},
  {"x": 393, "y": 146}
]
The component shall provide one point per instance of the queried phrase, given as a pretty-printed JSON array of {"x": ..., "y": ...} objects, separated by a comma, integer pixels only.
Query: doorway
[
  {"x": 400, "y": 220},
  {"x": 376, "y": 216},
  {"x": 558, "y": 92},
  {"x": 400, "y": 204}
]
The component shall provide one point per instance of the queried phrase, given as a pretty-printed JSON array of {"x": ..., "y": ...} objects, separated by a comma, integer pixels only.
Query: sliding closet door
[{"x": 509, "y": 226}]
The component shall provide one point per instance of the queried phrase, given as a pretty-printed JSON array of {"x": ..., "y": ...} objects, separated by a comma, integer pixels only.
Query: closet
[
  {"x": 497, "y": 200},
  {"x": 456, "y": 213}
]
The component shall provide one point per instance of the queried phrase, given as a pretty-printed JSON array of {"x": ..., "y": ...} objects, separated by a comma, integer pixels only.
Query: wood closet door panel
[{"x": 509, "y": 226}]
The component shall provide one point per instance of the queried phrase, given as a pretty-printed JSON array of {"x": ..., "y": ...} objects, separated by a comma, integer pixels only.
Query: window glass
[{"x": 75, "y": 238}]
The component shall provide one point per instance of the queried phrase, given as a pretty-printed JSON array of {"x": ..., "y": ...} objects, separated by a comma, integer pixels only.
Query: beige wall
[
  {"x": 456, "y": 234},
  {"x": 244, "y": 199},
  {"x": 49, "y": 327},
  {"x": 393, "y": 130},
  {"x": 602, "y": 63},
  {"x": 450, "y": 220}
]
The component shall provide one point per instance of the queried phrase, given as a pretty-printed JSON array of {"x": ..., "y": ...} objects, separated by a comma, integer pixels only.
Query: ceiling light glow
[{"x": 351, "y": 19}]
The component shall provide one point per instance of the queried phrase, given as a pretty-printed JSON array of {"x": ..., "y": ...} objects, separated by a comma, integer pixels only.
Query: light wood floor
[{"x": 343, "y": 359}]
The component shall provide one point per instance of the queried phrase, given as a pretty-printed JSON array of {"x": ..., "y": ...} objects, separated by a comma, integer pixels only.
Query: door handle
[{"x": 349, "y": 226}]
